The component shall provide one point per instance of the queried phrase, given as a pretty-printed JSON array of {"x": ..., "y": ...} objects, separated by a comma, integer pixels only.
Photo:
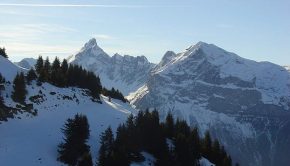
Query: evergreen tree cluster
[
  {"x": 19, "y": 89},
  {"x": 3, "y": 52},
  {"x": 2, "y": 87},
  {"x": 31, "y": 75},
  {"x": 61, "y": 74},
  {"x": 145, "y": 133},
  {"x": 115, "y": 94},
  {"x": 74, "y": 149}
]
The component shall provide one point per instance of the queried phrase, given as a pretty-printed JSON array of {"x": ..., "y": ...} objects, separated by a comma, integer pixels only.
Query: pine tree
[
  {"x": 1, "y": 99},
  {"x": 3, "y": 52},
  {"x": 182, "y": 127},
  {"x": 207, "y": 146},
  {"x": 2, "y": 87},
  {"x": 106, "y": 149},
  {"x": 64, "y": 69},
  {"x": 46, "y": 70},
  {"x": 182, "y": 150},
  {"x": 169, "y": 125},
  {"x": 56, "y": 74},
  {"x": 195, "y": 145},
  {"x": 19, "y": 89},
  {"x": 74, "y": 147},
  {"x": 39, "y": 65},
  {"x": 216, "y": 151},
  {"x": 86, "y": 160},
  {"x": 64, "y": 66},
  {"x": 31, "y": 75},
  {"x": 121, "y": 151}
]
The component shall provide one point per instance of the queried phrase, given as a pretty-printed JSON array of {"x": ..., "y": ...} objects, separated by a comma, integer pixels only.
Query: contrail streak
[{"x": 73, "y": 5}]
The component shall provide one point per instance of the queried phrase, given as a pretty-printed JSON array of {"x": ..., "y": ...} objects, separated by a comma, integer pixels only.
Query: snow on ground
[
  {"x": 205, "y": 162},
  {"x": 149, "y": 160},
  {"x": 32, "y": 140}
]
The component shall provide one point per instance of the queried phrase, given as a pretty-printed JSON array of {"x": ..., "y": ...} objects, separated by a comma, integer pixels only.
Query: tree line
[
  {"x": 173, "y": 143},
  {"x": 61, "y": 74}
]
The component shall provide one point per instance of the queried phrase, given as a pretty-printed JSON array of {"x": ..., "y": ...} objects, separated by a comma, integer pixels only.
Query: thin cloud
[
  {"x": 72, "y": 5},
  {"x": 31, "y": 31},
  {"x": 103, "y": 36}
]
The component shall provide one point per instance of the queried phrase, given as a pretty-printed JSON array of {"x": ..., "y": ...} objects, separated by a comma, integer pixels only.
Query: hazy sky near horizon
[{"x": 254, "y": 29}]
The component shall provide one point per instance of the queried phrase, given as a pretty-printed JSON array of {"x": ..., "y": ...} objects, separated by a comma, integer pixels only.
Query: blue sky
[{"x": 254, "y": 29}]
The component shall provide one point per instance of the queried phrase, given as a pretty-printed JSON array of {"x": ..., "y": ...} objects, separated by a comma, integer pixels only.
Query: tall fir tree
[
  {"x": 31, "y": 75},
  {"x": 74, "y": 147},
  {"x": 64, "y": 66},
  {"x": 19, "y": 89},
  {"x": 46, "y": 70},
  {"x": 195, "y": 145},
  {"x": 64, "y": 69},
  {"x": 39, "y": 65},
  {"x": 2, "y": 87},
  {"x": 169, "y": 125},
  {"x": 86, "y": 160},
  {"x": 106, "y": 149},
  {"x": 207, "y": 146},
  {"x": 3, "y": 52},
  {"x": 56, "y": 74}
]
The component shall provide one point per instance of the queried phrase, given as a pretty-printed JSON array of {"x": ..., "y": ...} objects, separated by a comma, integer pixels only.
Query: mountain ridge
[
  {"x": 242, "y": 103},
  {"x": 117, "y": 71}
]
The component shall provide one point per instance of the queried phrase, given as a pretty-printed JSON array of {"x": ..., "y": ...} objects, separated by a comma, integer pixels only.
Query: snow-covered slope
[
  {"x": 243, "y": 103},
  {"x": 126, "y": 73},
  {"x": 8, "y": 69},
  {"x": 27, "y": 63},
  {"x": 287, "y": 68},
  {"x": 32, "y": 140}
]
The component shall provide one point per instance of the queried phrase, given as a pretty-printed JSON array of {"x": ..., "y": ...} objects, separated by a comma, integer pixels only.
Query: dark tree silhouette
[
  {"x": 3, "y": 52},
  {"x": 31, "y": 75},
  {"x": 74, "y": 147},
  {"x": 19, "y": 89}
]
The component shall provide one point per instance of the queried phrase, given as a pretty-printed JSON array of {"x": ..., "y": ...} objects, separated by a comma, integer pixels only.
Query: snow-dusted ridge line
[
  {"x": 242, "y": 102},
  {"x": 126, "y": 73}
]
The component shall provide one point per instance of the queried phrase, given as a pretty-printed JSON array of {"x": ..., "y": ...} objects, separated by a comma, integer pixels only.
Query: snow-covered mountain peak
[
  {"x": 91, "y": 49},
  {"x": 123, "y": 72},
  {"x": 91, "y": 43},
  {"x": 89, "y": 54},
  {"x": 26, "y": 63},
  {"x": 210, "y": 51},
  {"x": 219, "y": 91},
  {"x": 167, "y": 57}
]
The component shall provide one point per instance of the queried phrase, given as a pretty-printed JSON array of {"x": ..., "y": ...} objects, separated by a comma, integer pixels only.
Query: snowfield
[{"x": 33, "y": 140}]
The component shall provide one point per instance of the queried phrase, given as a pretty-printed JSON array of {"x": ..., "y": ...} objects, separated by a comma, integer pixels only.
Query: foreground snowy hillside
[{"x": 32, "y": 140}]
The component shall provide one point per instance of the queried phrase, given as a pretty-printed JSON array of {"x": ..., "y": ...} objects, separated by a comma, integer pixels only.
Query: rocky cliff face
[
  {"x": 126, "y": 73},
  {"x": 245, "y": 104}
]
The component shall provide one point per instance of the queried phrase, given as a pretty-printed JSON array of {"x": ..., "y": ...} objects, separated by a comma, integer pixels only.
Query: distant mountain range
[{"x": 126, "y": 73}]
